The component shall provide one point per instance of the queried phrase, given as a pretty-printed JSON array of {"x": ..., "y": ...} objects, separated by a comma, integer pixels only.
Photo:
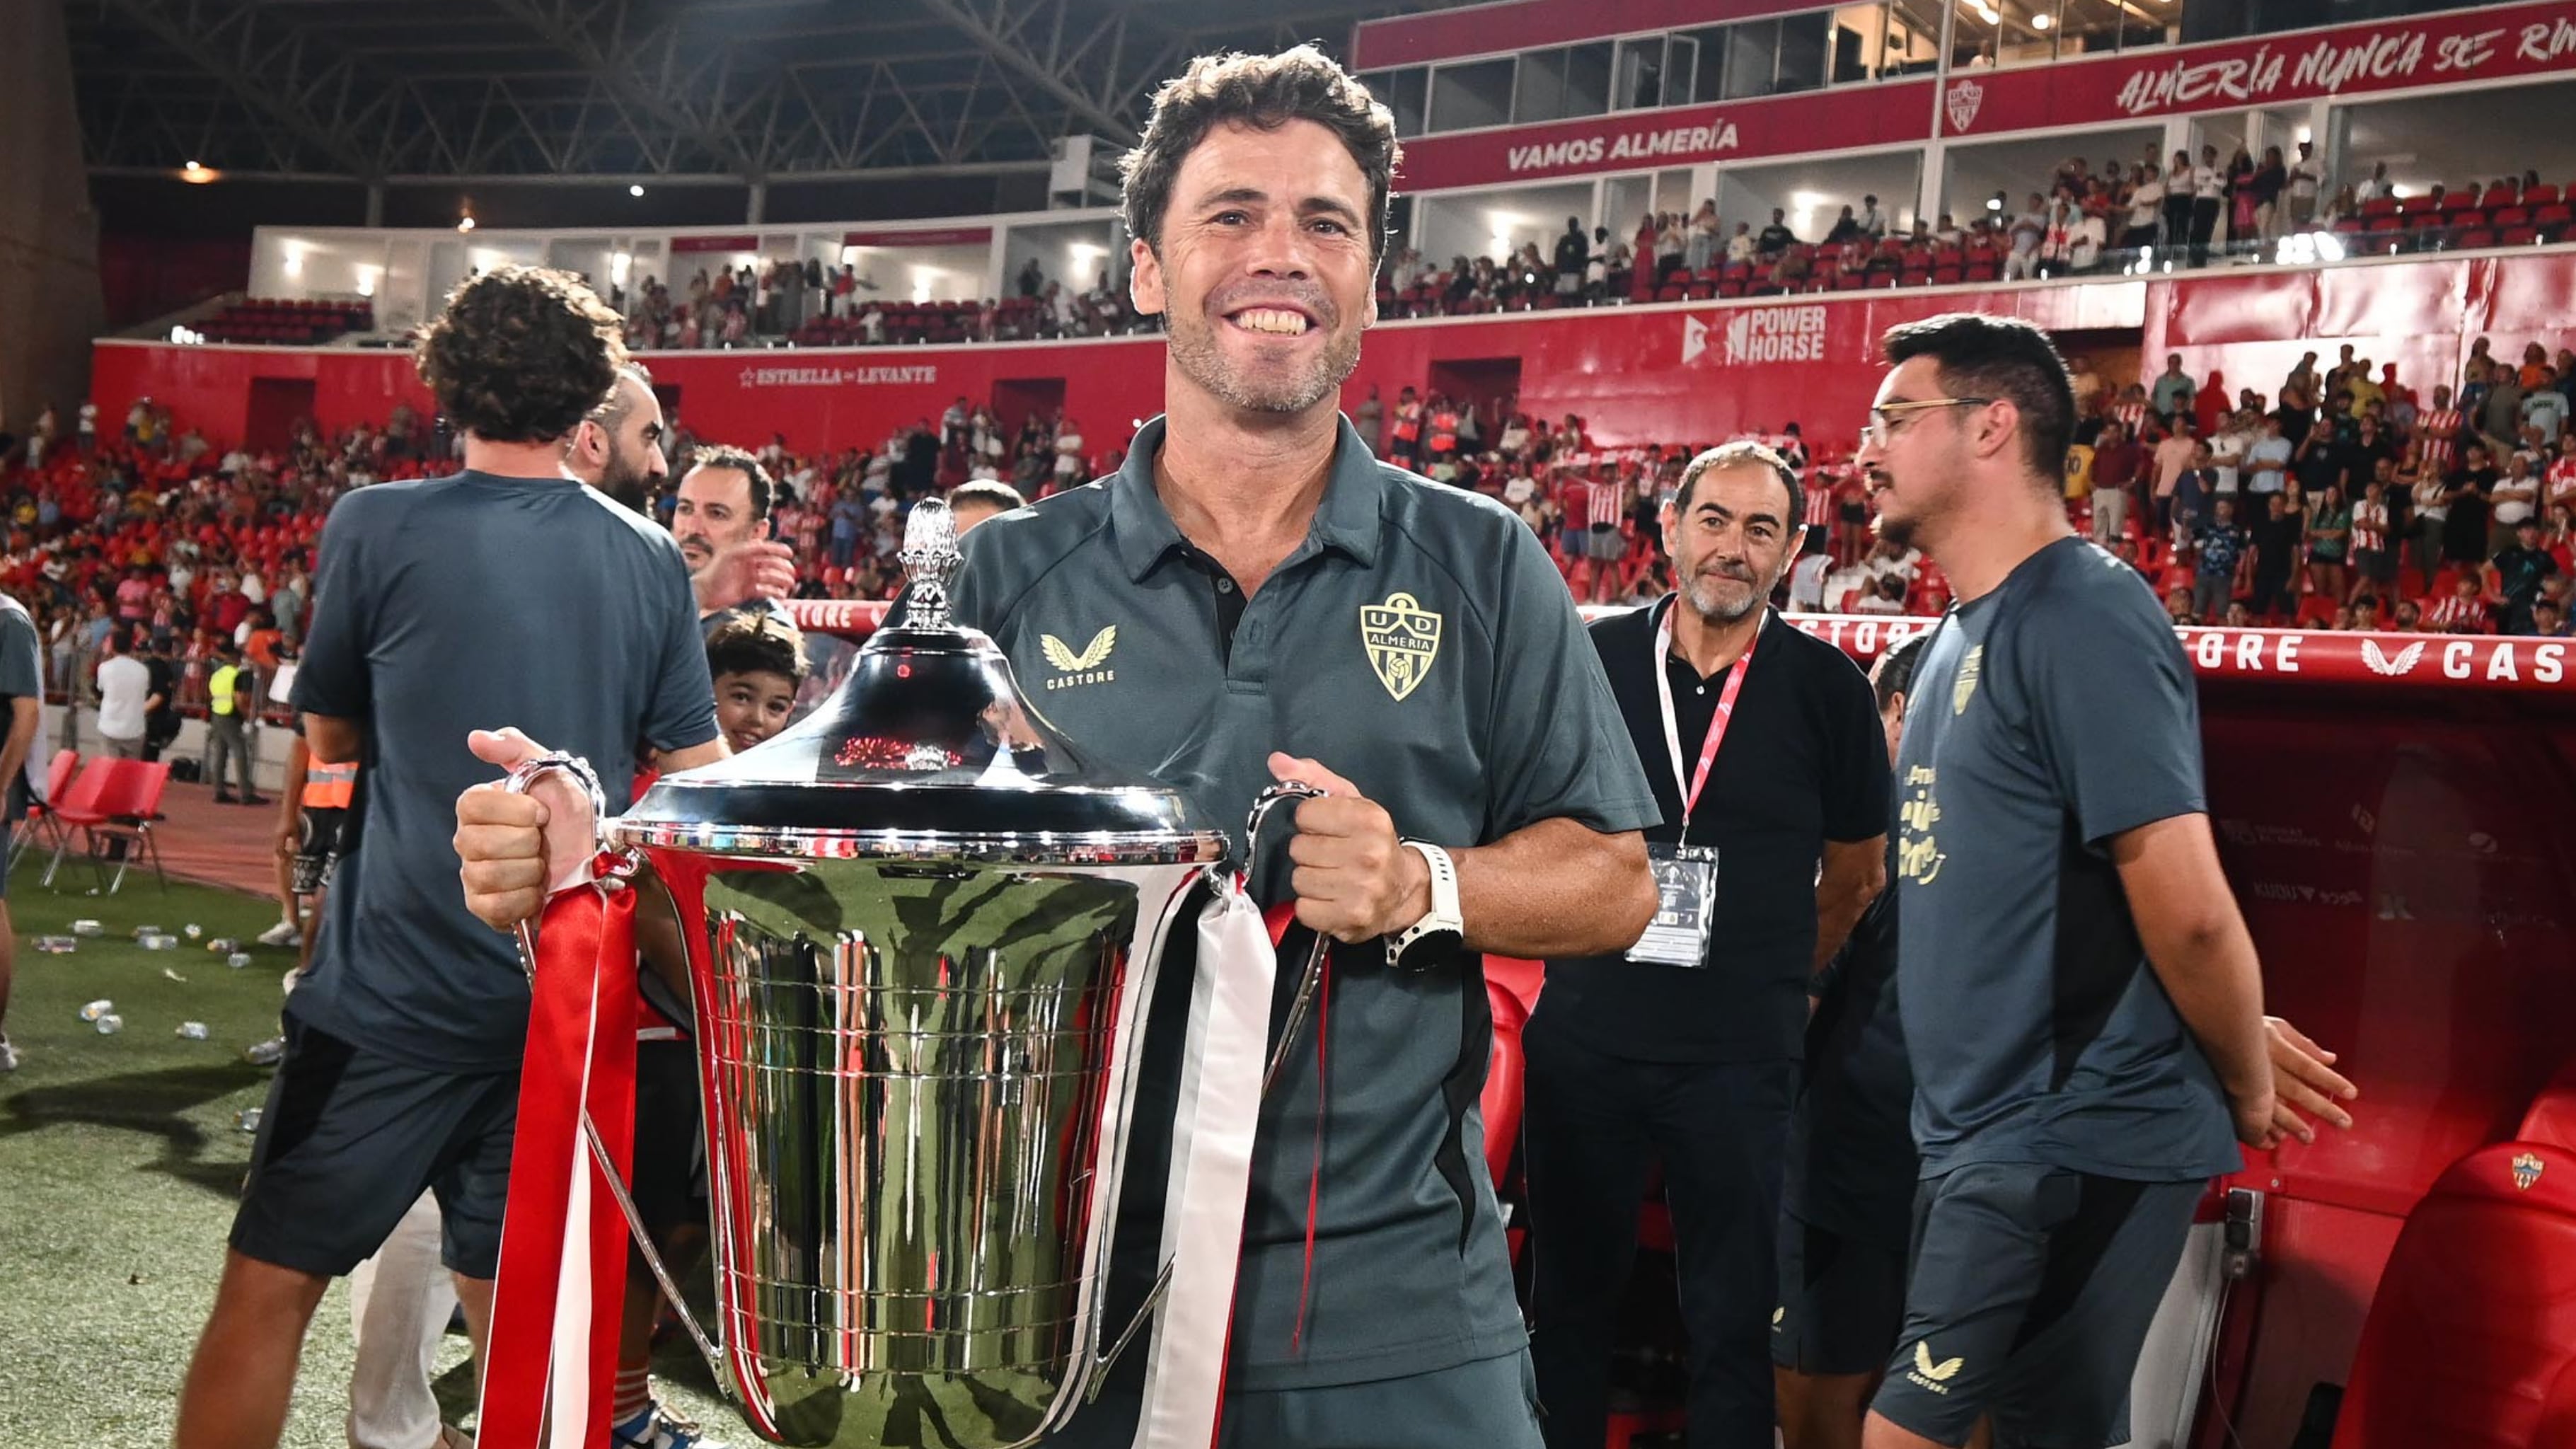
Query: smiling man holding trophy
[{"x": 926, "y": 926}]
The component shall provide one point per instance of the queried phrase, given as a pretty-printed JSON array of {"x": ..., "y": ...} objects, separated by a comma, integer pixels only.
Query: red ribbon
[{"x": 580, "y": 1055}]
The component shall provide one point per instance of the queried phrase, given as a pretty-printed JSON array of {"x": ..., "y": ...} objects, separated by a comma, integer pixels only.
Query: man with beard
[
  {"x": 619, "y": 450},
  {"x": 1763, "y": 748},
  {"x": 722, "y": 523},
  {"x": 1253, "y": 598},
  {"x": 2079, "y": 997}
]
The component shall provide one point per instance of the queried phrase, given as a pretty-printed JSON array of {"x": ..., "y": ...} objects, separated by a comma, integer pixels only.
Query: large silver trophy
[{"x": 923, "y": 932}]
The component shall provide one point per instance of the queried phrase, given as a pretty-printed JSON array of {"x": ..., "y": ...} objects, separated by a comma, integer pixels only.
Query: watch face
[{"x": 1428, "y": 950}]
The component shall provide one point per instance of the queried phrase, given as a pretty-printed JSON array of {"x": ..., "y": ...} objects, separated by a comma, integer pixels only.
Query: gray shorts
[
  {"x": 2031, "y": 1295},
  {"x": 1489, "y": 1404},
  {"x": 1606, "y": 544},
  {"x": 348, "y": 1142},
  {"x": 1842, "y": 1300}
]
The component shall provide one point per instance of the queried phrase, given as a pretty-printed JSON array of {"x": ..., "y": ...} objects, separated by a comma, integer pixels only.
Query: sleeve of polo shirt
[
  {"x": 1555, "y": 744},
  {"x": 1856, "y": 775},
  {"x": 682, "y": 711},
  {"x": 332, "y": 678},
  {"x": 2114, "y": 713}
]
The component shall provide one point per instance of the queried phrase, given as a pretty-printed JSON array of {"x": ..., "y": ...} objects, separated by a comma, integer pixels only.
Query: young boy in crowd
[{"x": 758, "y": 660}]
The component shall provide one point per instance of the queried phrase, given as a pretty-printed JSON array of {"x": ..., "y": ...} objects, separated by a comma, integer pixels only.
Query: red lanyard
[{"x": 1716, "y": 727}]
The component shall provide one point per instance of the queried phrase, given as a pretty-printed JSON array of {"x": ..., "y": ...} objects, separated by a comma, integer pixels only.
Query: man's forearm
[
  {"x": 2216, "y": 982},
  {"x": 1557, "y": 888},
  {"x": 1852, "y": 878}
]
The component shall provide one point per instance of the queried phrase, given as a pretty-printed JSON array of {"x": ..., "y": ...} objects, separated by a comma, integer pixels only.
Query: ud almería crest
[{"x": 1402, "y": 639}]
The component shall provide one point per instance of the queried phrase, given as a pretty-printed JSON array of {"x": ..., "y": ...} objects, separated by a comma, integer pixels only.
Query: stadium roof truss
[{"x": 641, "y": 89}]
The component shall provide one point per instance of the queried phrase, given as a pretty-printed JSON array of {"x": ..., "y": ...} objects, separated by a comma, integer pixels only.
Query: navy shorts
[
  {"x": 18, "y": 799},
  {"x": 348, "y": 1142},
  {"x": 1842, "y": 1300},
  {"x": 2031, "y": 1295},
  {"x": 670, "y": 1161}
]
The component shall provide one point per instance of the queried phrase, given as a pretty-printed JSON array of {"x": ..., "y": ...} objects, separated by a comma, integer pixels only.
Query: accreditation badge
[{"x": 1685, "y": 906}]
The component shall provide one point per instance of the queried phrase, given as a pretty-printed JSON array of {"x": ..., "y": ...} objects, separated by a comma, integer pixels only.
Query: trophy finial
[{"x": 930, "y": 561}]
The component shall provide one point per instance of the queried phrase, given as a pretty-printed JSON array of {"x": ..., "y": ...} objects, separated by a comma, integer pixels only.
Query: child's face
[{"x": 752, "y": 705}]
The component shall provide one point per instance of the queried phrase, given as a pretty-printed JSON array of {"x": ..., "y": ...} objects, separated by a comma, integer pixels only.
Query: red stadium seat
[
  {"x": 2551, "y": 1118},
  {"x": 41, "y": 818},
  {"x": 1949, "y": 276},
  {"x": 2348, "y": 226},
  {"x": 2540, "y": 195},
  {"x": 2380, "y": 206},
  {"x": 2379, "y": 225},
  {"x": 2520, "y": 236},
  {"x": 2497, "y": 195},
  {"x": 1504, "y": 1077},
  {"x": 2472, "y": 1334},
  {"x": 2506, "y": 218},
  {"x": 2481, "y": 237}
]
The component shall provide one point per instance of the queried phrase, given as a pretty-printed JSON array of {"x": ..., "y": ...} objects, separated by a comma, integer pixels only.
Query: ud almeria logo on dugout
[{"x": 1402, "y": 638}]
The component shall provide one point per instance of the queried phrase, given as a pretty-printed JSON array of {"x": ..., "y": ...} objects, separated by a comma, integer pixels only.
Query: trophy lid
[{"x": 925, "y": 752}]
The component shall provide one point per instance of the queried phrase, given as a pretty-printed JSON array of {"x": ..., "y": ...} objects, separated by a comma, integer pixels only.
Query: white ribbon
[{"x": 1203, "y": 1204}]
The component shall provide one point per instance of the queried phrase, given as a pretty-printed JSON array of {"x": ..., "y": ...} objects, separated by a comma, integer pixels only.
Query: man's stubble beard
[
  {"x": 1702, "y": 597},
  {"x": 1196, "y": 352},
  {"x": 628, "y": 485}
]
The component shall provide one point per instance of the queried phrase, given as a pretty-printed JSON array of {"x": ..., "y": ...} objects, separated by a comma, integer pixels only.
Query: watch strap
[{"x": 1443, "y": 917}]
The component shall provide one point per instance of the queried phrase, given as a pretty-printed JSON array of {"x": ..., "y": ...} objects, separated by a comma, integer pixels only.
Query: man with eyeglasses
[{"x": 2079, "y": 996}]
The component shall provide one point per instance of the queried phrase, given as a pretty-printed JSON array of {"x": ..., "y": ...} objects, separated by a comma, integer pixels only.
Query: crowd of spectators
[
  {"x": 2341, "y": 499},
  {"x": 2344, "y": 499},
  {"x": 2117, "y": 218},
  {"x": 809, "y": 304}
]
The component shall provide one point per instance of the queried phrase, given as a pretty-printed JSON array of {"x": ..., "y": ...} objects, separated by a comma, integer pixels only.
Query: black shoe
[
  {"x": 224, "y": 798},
  {"x": 254, "y": 800}
]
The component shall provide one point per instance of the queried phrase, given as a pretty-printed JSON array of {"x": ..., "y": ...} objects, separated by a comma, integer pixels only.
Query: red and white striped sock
[{"x": 634, "y": 1392}]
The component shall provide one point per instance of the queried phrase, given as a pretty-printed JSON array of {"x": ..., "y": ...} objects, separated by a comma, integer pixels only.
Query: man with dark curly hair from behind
[{"x": 443, "y": 605}]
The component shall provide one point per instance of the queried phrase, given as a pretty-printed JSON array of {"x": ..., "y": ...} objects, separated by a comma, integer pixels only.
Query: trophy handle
[
  {"x": 523, "y": 777},
  {"x": 1313, "y": 974},
  {"x": 1309, "y": 978},
  {"x": 621, "y": 864}
]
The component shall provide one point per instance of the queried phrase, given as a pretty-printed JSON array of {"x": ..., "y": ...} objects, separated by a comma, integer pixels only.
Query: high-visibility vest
[
  {"x": 221, "y": 686},
  {"x": 330, "y": 787}
]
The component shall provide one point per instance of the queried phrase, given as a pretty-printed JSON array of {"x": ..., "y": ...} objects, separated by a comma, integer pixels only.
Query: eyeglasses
[{"x": 1884, "y": 418}]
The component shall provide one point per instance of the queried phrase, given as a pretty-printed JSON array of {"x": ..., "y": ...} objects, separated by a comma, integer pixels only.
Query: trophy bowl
[{"x": 922, "y": 932}]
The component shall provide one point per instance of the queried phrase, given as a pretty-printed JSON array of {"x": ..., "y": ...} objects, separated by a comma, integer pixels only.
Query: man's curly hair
[{"x": 521, "y": 355}]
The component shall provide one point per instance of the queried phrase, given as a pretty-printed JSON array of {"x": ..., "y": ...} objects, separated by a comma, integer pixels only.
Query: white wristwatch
[{"x": 1437, "y": 937}]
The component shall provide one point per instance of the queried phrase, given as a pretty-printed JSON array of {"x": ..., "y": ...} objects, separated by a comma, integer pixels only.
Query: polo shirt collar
[{"x": 1346, "y": 520}]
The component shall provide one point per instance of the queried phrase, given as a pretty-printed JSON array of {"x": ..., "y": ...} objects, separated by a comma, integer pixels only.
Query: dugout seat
[
  {"x": 2552, "y": 1117},
  {"x": 2471, "y": 1339}
]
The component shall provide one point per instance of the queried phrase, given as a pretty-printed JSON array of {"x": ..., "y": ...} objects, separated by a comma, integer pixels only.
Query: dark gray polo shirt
[{"x": 1419, "y": 644}]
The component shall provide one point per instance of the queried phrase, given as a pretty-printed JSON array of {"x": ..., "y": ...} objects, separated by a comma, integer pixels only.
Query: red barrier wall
[{"x": 1636, "y": 374}]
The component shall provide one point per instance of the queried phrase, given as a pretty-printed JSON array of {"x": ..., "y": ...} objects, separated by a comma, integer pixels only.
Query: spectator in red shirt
[{"x": 2116, "y": 462}]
